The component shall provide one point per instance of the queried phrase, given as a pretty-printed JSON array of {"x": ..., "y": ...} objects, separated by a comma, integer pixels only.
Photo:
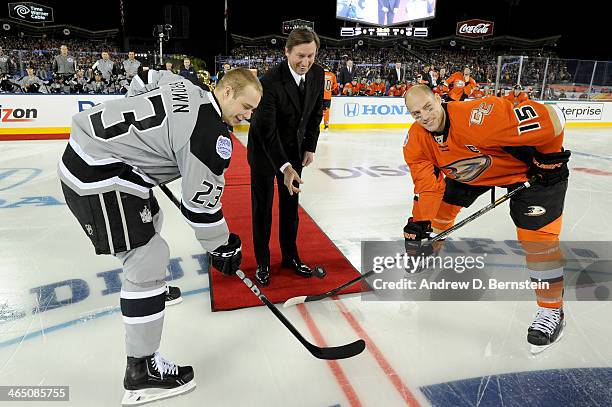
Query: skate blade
[
  {"x": 536, "y": 349},
  {"x": 137, "y": 397},
  {"x": 175, "y": 301}
]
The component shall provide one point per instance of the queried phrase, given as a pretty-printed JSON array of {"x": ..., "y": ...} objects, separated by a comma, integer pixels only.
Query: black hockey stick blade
[
  {"x": 309, "y": 298},
  {"x": 328, "y": 353},
  {"x": 338, "y": 352}
]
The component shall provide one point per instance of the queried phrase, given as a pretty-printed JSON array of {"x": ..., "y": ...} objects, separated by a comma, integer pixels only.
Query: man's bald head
[
  {"x": 425, "y": 107},
  {"x": 419, "y": 91}
]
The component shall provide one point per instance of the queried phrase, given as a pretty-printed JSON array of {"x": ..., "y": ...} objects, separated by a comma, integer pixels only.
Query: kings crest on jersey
[{"x": 167, "y": 128}]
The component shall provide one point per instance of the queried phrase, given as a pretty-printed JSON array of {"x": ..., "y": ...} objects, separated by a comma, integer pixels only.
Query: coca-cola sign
[{"x": 475, "y": 28}]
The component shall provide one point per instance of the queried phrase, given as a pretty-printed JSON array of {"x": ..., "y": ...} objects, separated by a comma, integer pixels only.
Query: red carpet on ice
[{"x": 228, "y": 293}]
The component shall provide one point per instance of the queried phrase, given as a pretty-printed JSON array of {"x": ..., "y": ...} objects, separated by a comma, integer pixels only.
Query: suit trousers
[{"x": 262, "y": 196}]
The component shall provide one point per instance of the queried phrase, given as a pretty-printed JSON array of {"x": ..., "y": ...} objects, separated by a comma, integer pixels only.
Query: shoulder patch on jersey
[
  {"x": 478, "y": 113},
  {"x": 210, "y": 141},
  {"x": 224, "y": 147}
]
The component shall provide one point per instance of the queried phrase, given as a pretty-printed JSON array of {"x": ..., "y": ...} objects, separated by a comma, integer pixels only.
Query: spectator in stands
[
  {"x": 346, "y": 75},
  {"x": 64, "y": 64},
  {"x": 104, "y": 66},
  {"x": 226, "y": 68},
  {"x": 188, "y": 70},
  {"x": 7, "y": 66},
  {"x": 396, "y": 75},
  {"x": 31, "y": 83},
  {"x": 131, "y": 65},
  {"x": 442, "y": 75}
]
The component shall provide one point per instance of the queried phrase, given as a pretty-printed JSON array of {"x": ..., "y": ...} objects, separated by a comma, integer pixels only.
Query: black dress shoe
[
  {"x": 262, "y": 275},
  {"x": 298, "y": 267}
]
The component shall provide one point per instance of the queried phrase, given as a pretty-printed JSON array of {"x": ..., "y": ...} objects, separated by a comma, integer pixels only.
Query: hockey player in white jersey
[{"x": 117, "y": 152}]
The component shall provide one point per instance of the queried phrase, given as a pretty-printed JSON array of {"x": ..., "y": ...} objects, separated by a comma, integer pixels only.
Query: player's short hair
[
  {"x": 240, "y": 78},
  {"x": 301, "y": 36}
]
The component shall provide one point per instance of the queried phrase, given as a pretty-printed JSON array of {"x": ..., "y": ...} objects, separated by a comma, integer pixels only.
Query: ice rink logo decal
[{"x": 14, "y": 177}]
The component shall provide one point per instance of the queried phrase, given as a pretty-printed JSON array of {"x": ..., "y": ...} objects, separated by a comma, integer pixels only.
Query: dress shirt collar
[{"x": 297, "y": 78}]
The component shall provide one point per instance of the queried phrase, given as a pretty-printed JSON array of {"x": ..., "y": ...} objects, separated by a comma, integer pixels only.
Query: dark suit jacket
[
  {"x": 344, "y": 76},
  {"x": 281, "y": 129},
  {"x": 392, "y": 77}
]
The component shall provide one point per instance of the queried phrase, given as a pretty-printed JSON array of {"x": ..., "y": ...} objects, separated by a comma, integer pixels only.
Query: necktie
[{"x": 302, "y": 88}]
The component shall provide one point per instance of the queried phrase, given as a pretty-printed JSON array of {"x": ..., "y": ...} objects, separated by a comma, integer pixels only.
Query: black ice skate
[
  {"x": 546, "y": 329},
  {"x": 173, "y": 295},
  {"x": 154, "y": 378}
]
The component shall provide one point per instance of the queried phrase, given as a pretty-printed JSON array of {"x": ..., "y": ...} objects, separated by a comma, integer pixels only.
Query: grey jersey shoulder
[{"x": 150, "y": 79}]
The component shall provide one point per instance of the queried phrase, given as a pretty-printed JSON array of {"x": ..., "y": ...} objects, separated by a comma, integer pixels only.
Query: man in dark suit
[
  {"x": 396, "y": 74},
  {"x": 346, "y": 75},
  {"x": 282, "y": 140}
]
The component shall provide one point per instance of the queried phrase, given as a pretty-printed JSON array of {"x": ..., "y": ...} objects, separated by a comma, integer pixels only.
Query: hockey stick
[
  {"x": 328, "y": 353},
  {"x": 309, "y": 298}
]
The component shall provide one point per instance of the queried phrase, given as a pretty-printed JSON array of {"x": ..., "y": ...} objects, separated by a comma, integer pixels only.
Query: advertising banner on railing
[
  {"x": 49, "y": 116},
  {"x": 42, "y": 116}
]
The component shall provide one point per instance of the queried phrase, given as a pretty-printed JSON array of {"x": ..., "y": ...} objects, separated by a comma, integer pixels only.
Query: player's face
[
  {"x": 426, "y": 110},
  {"x": 301, "y": 57},
  {"x": 239, "y": 108}
]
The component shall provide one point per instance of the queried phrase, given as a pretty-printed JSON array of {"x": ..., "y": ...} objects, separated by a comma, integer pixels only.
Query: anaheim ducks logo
[{"x": 468, "y": 169}]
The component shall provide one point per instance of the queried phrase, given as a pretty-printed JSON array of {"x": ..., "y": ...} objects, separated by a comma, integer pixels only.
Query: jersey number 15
[{"x": 523, "y": 114}]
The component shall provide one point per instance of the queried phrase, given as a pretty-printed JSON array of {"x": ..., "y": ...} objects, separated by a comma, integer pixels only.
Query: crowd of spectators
[
  {"x": 45, "y": 65},
  {"x": 373, "y": 66},
  {"x": 373, "y": 63}
]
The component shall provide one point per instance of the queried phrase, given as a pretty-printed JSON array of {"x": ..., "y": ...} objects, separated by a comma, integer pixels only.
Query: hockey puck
[{"x": 319, "y": 271}]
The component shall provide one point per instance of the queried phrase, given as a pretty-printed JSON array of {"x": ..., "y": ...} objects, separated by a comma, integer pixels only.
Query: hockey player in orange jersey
[
  {"x": 397, "y": 90},
  {"x": 477, "y": 93},
  {"x": 517, "y": 96},
  {"x": 351, "y": 88},
  {"x": 458, "y": 151},
  {"x": 377, "y": 88},
  {"x": 461, "y": 84},
  {"x": 330, "y": 88}
]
